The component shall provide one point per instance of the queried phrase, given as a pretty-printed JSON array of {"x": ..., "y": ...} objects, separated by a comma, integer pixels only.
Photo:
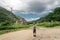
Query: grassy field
[
  {"x": 15, "y": 27},
  {"x": 48, "y": 24},
  {"x": 6, "y": 29}
]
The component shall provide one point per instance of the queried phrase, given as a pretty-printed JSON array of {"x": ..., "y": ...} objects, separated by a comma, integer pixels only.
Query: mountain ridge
[
  {"x": 7, "y": 17},
  {"x": 52, "y": 16}
]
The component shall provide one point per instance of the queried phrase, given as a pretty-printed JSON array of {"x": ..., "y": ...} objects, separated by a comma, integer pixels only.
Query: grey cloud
[{"x": 36, "y": 6}]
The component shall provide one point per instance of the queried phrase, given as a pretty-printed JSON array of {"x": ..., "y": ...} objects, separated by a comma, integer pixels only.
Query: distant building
[{"x": 21, "y": 21}]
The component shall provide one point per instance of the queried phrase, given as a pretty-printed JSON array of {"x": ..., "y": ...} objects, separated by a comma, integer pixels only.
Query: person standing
[{"x": 34, "y": 31}]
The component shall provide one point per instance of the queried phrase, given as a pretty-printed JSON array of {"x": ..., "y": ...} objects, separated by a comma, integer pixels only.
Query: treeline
[
  {"x": 52, "y": 16},
  {"x": 7, "y": 17}
]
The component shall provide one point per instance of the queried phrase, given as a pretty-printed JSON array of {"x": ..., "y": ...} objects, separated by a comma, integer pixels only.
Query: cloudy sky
[{"x": 30, "y": 9}]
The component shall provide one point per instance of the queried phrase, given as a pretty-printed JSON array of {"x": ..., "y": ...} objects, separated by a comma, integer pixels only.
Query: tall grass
[
  {"x": 6, "y": 29},
  {"x": 49, "y": 24},
  {"x": 14, "y": 27}
]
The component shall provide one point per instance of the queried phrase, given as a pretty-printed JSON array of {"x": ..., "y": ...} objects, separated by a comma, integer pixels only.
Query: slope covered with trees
[
  {"x": 7, "y": 17},
  {"x": 52, "y": 16},
  {"x": 50, "y": 20}
]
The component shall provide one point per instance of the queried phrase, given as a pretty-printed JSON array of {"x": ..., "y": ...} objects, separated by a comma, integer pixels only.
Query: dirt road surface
[{"x": 42, "y": 34}]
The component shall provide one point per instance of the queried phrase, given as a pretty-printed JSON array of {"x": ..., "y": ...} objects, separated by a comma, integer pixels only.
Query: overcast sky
[{"x": 31, "y": 9}]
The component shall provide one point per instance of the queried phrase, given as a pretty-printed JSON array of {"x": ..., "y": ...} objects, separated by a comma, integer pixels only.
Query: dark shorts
[{"x": 34, "y": 31}]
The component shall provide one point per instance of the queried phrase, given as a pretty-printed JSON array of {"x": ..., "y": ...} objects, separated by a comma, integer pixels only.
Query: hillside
[
  {"x": 6, "y": 17},
  {"x": 52, "y": 16}
]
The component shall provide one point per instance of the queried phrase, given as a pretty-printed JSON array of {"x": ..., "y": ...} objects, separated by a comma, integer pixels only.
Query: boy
[{"x": 34, "y": 31}]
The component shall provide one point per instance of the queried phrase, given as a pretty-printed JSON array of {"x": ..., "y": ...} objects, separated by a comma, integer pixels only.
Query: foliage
[
  {"x": 52, "y": 16},
  {"x": 14, "y": 27},
  {"x": 6, "y": 29},
  {"x": 49, "y": 24},
  {"x": 7, "y": 17}
]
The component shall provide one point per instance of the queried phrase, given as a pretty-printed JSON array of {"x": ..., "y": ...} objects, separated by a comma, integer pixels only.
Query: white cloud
[
  {"x": 31, "y": 19},
  {"x": 15, "y": 4},
  {"x": 30, "y": 5}
]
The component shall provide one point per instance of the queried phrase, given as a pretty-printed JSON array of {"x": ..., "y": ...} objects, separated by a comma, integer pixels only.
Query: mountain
[
  {"x": 52, "y": 16},
  {"x": 7, "y": 17}
]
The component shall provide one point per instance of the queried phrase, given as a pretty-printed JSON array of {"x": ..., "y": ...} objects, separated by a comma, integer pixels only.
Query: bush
[
  {"x": 49, "y": 24},
  {"x": 14, "y": 27}
]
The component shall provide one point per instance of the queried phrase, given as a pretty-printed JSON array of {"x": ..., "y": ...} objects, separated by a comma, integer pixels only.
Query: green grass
[
  {"x": 6, "y": 29},
  {"x": 49, "y": 24}
]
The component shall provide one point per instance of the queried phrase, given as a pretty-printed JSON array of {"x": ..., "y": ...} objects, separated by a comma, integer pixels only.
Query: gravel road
[{"x": 42, "y": 34}]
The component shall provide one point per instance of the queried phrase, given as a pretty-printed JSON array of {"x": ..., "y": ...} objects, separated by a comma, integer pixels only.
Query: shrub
[{"x": 49, "y": 24}]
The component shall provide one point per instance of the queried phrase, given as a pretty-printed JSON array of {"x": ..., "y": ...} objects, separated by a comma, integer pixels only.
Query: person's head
[{"x": 34, "y": 26}]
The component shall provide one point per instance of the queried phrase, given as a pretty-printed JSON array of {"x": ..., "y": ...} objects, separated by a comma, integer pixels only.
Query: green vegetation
[
  {"x": 6, "y": 29},
  {"x": 52, "y": 16},
  {"x": 8, "y": 20},
  {"x": 48, "y": 24},
  {"x": 50, "y": 20},
  {"x": 14, "y": 27},
  {"x": 6, "y": 17}
]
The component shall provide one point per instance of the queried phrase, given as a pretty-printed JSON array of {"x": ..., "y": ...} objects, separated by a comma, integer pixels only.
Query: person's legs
[{"x": 34, "y": 34}]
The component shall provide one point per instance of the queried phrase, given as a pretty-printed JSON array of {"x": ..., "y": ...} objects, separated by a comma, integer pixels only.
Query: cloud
[
  {"x": 30, "y": 6},
  {"x": 31, "y": 19},
  {"x": 36, "y": 6},
  {"x": 40, "y": 6},
  {"x": 15, "y": 4}
]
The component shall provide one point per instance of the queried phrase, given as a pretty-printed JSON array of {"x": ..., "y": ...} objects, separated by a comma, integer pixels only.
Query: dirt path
[{"x": 42, "y": 34}]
